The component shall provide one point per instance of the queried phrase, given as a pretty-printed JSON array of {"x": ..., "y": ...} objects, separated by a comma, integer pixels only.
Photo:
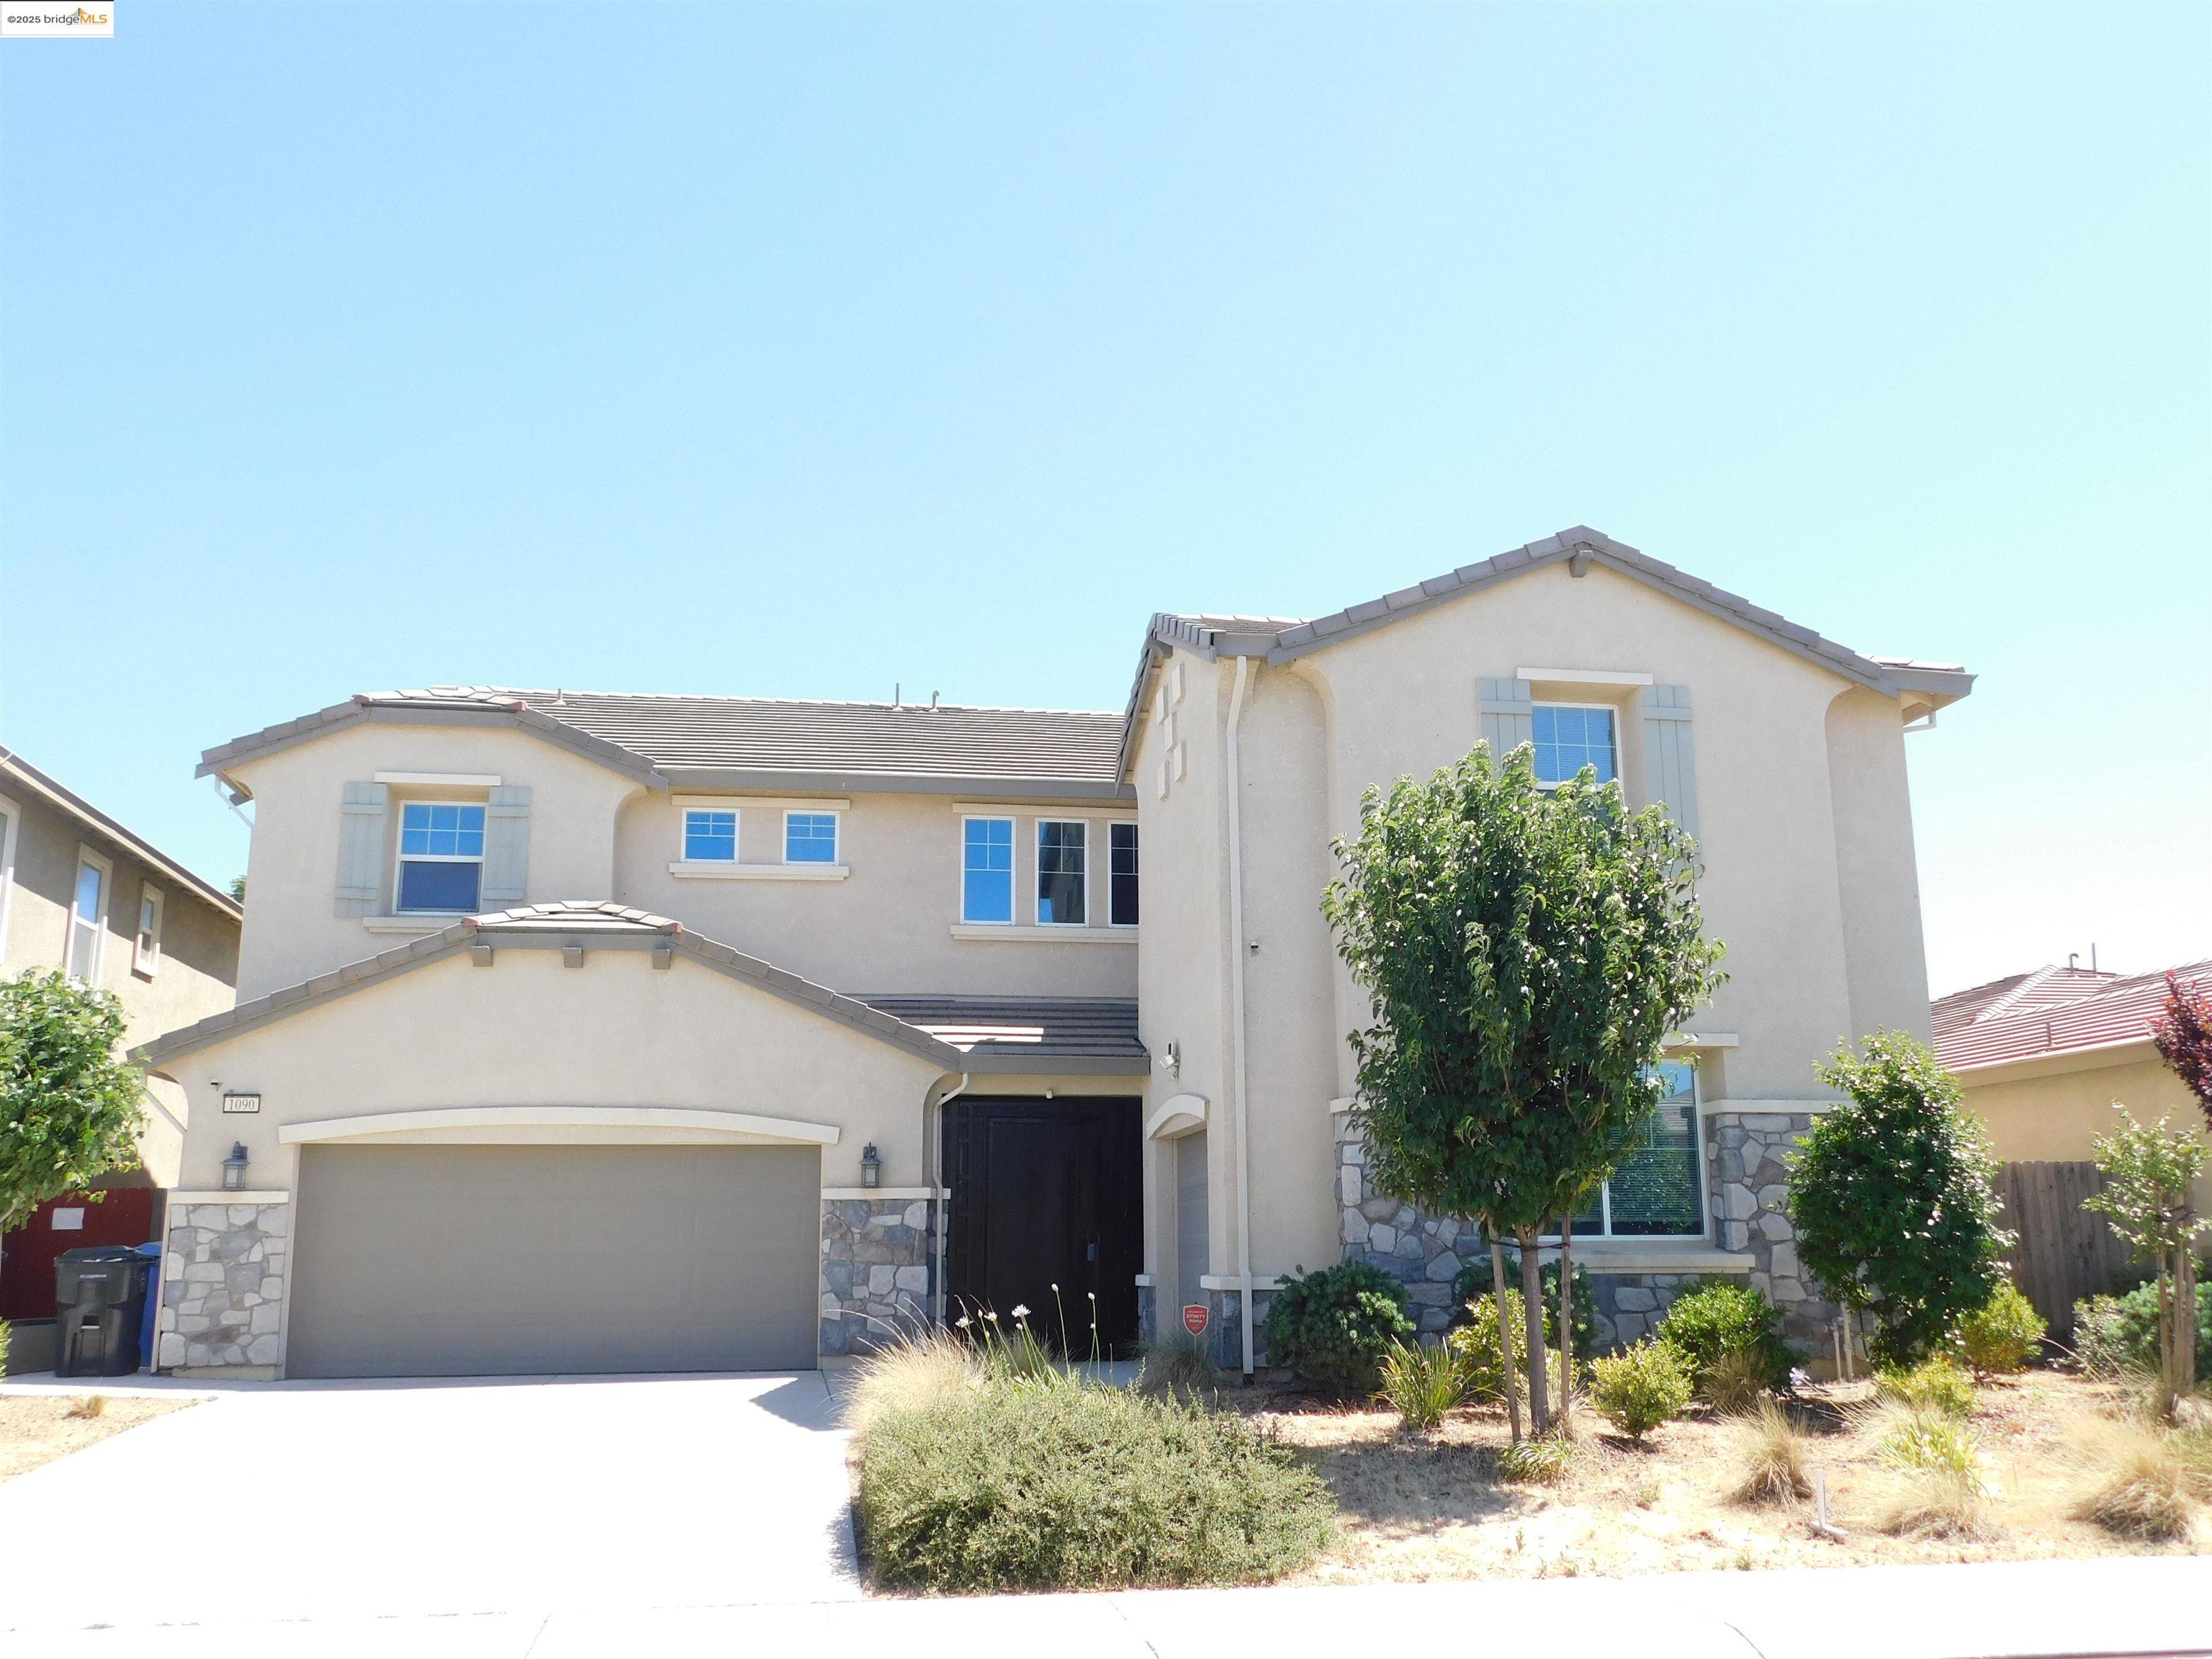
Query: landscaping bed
[
  {"x": 36, "y": 1429},
  {"x": 1414, "y": 1505}
]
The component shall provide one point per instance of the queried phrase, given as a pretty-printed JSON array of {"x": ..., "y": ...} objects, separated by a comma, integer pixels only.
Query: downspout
[
  {"x": 1236, "y": 1006},
  {"x": 933, "y": 1169}
]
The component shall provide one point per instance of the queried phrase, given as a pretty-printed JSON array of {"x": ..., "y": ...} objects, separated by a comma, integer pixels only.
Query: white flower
[
  {"x": 992, "y": 1315},
  {"x": 1021, "y": 1311},
  {"x": 961, "y": 1323},
  {"x": 1799, "y": 1377}
]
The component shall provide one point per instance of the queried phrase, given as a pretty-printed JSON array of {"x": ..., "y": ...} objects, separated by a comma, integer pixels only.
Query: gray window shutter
[
  {"x": 1505, "y": 715},
  {"x": 1669, "y": 768},
  {"x": 506, "y": 848},
  {"x": 361, "y": 810}
]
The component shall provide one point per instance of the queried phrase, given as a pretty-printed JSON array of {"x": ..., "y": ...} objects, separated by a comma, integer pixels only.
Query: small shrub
[
  {"x": 1771, "y": 1455},
  {"x": 1475, "y": 1344},
  {"x": 912, "y": 1371},
  {"x": 1543, "y": 1462},
  {"x": 1939, "y": 1460},
  {"x": 1421, "y": 1384},
  {"x": 1724, "y": 1317},
  {"x": 1640, "y": 1387},
  {"x": 2001, "y": 1337},
  {"x": 88, "y": 1405},
  {"x": 1471, "y": 1292},
  {"x": 1933, "y": 1385},
  {"x": 1050, "y": 1484},
  {"x": 1178, "y": 1365},
  {"x": 2140, "y": 1480},
  {"x": 1333, "y": 1326},
  {"x": 2116, "y": 1334}
]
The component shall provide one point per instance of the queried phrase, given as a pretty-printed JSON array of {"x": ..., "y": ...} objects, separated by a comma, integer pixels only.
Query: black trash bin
[{"x": 99, "y": 1297}]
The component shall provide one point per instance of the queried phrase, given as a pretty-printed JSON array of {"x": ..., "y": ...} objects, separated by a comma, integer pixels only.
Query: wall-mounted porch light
[
  {"x": 871, "y": 1166},
  {"x": 234, "y": 1167}
]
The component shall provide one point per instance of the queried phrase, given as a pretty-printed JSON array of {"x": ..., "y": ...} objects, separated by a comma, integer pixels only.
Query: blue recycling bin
[{"x": 153, "y": 1254}]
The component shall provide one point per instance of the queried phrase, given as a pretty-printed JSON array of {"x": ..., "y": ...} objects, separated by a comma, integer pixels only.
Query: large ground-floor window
[{"x": 1659, "y": 1190}]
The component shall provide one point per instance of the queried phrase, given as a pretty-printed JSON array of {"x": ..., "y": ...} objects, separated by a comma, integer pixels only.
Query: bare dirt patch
[
  {"x": 37, "y": 1428},
  {"x": 1418, "y": 1506}
]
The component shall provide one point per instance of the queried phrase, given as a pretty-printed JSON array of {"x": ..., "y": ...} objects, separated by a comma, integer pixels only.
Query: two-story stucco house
[{"x": 607, "y": 1032}]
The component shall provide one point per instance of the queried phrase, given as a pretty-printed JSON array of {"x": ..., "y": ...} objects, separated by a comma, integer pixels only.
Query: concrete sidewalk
[{"x": 2019, "y": 1610}]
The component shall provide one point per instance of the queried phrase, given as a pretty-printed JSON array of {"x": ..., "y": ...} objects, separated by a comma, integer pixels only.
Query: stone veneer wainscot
[
  {"x": 875, "y": 1265},
  {"x": 223, "y": 1262}
]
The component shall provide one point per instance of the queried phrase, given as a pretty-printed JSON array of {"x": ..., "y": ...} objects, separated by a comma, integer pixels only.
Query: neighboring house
[
  {"x": 607, "y": 1032},
  {"x": 2044, "y": 1056},
  {"x": 79, "y": 892}
]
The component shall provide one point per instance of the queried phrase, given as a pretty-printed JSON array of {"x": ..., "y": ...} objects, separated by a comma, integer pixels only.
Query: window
[
  {"x": 88, "y": 918},
  {"x": 710, "y": 837},
  {"x": 1060, "y": 857},
  {"x": 1570, "y": 735},
  {"x": 810, "y": 838},
  {"x": 987, "y": 870},
  {"x": 1658, "y": 1191},
  {"x": 440, "y": 856},
  {"x": 146, "y": 953},
  {"x": 1121, "y": 874}
]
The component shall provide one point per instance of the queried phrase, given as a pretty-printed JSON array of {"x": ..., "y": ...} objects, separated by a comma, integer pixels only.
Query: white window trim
[
  {"x": 143, "y": 960},
  {"x": 1613, "y": 710},
  {"x": 13, "y": 810},
  {"x": 1630, "y": 1241},
  {"x": 716, "y": 870},
  {"x": 1000, "y": 932},
  {"x": 836, "y": 837},
  {"x": 683, "y": 838},
  {"x": 1036, "y": 887},
  {"x": 105, "y": 865},
  {"x": 1580, "y": 677},
  {"x": 1014, "y": 875},
  {"x": 1125, "y": 926},
  {"x": 401, "y": 859}
]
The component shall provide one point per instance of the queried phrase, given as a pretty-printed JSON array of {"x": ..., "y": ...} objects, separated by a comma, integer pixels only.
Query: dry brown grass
[
  {"x": 1769, "y": 1455},
  {"x": 37, "y": 1428},
  {"x": 2140, "y": 1480},
  {"x": 1436, "y": 1507}
]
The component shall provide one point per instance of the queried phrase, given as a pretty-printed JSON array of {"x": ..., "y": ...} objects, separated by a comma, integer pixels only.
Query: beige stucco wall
[
  {"x": 887, "y": 926},
  {"x": 531, "y": 1032},
  {"x": 194, "y": 977},
  {"x": 2053, "y": 1110}
]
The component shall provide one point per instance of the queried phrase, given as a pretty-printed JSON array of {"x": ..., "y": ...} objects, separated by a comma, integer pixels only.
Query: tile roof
[
  {"x": 1036, "y": 1034},
  {"x": 2051, "y": 1011},
  {"x": 58, "y": 794}
]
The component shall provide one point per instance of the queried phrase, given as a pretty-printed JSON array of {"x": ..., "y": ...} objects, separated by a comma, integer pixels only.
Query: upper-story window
[
  {"x": 1062, "y": 874},
  {"x": 710, "y": 837},
  {"x": 1572, "y": 735},
  {"x": 1121, "y": 874},
  {"x": 146, "y": 949},
  {"x": 87, "y": 925},
  {"x": 810, "y": 838},
  {"x": 987, "y": 870},
  {"x": 440, "y": 856},
  {"x": 1658, "y": 1190}
]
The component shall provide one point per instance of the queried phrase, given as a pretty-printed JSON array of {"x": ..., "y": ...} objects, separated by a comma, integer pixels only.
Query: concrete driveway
[{"x": 524, "y": 1496}]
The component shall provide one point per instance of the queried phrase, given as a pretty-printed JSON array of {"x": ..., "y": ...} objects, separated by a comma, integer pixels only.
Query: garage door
[{"x": 489, "y": 1261}]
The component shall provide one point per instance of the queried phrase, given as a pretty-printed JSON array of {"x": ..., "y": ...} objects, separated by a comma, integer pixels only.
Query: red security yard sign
[{"x": 1195, "y": 1317}]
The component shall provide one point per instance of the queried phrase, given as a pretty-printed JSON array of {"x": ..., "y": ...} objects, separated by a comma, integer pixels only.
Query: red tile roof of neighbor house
[{"x": 2052, "y": 1010}]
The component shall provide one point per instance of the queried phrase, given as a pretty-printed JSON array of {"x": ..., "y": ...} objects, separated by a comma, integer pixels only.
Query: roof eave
[{"x": 66, "y": 800}]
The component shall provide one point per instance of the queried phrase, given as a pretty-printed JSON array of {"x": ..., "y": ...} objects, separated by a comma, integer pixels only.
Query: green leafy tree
[
  {"x": 2149, "y": 1170},
  {"x": 1527, "y": 952},
  {"x": 69, "y": 1110},
  {"x": 1892, "y": 1198}
]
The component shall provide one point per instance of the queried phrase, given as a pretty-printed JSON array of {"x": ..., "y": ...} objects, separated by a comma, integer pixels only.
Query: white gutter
[
  {"x": 1237, "y": 1006},
  {"x": 932, "y": 1165}
]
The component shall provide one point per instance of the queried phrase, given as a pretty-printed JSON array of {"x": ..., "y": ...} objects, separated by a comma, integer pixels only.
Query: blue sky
[{"x": 807, "y": 351}]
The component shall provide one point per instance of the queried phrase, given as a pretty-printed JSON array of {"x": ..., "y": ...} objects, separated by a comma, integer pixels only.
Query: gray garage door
[{"x": 490, "y": 1261}]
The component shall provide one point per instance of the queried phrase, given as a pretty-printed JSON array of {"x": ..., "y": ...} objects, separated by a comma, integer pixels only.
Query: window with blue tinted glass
[
  {"x": 710, "y": 837},
  {"x": 440, "y": 856},
  {"x": 1570, "y": 737},
  {"x": 987, "y": 870},
  {"x": 1063, "y": 874},
  {"x": 810, "y": 838}
]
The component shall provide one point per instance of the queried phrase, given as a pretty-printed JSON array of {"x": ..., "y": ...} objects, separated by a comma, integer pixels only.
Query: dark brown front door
[{"x": 1046, "y": 1192}]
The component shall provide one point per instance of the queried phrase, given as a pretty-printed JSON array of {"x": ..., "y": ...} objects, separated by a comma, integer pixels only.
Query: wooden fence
[{"x": 2064, "y": 1252}]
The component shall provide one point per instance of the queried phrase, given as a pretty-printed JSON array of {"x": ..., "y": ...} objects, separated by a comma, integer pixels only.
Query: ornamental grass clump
[
  {"x": 1544, "y": 1460},
  {"x": 1935, "y": 1385},
  {"x": 1938, "y": 1459},
  {"x": 1423, "y": 1384},
  {"x": 2140, "y": 1479},
  {"x": 2000, "y": 1337},
  {"x": 1770, "y": 1455},
  {"x": 1640, "y": 1387},
  {"x": 911, "y": 1371},
  {"x": 1178, "y": 1365},
  {"x": 1046, "y": 1483}
]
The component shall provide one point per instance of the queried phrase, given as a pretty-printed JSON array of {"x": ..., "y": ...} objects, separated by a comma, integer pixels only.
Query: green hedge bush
[
  {"x": 2003, "y": 1336},
  {"x": 1048, "y": 1483},
  {"x": 1723, "y": 1316},
  {"x": 1333, "y": 1326},
  {"x": 2120, "y": 1333}
]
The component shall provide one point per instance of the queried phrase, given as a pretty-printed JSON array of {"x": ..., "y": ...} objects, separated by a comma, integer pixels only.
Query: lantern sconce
[
  {"x": 233, "y": 1168},
  {"x": 871, "y": 1166}
]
